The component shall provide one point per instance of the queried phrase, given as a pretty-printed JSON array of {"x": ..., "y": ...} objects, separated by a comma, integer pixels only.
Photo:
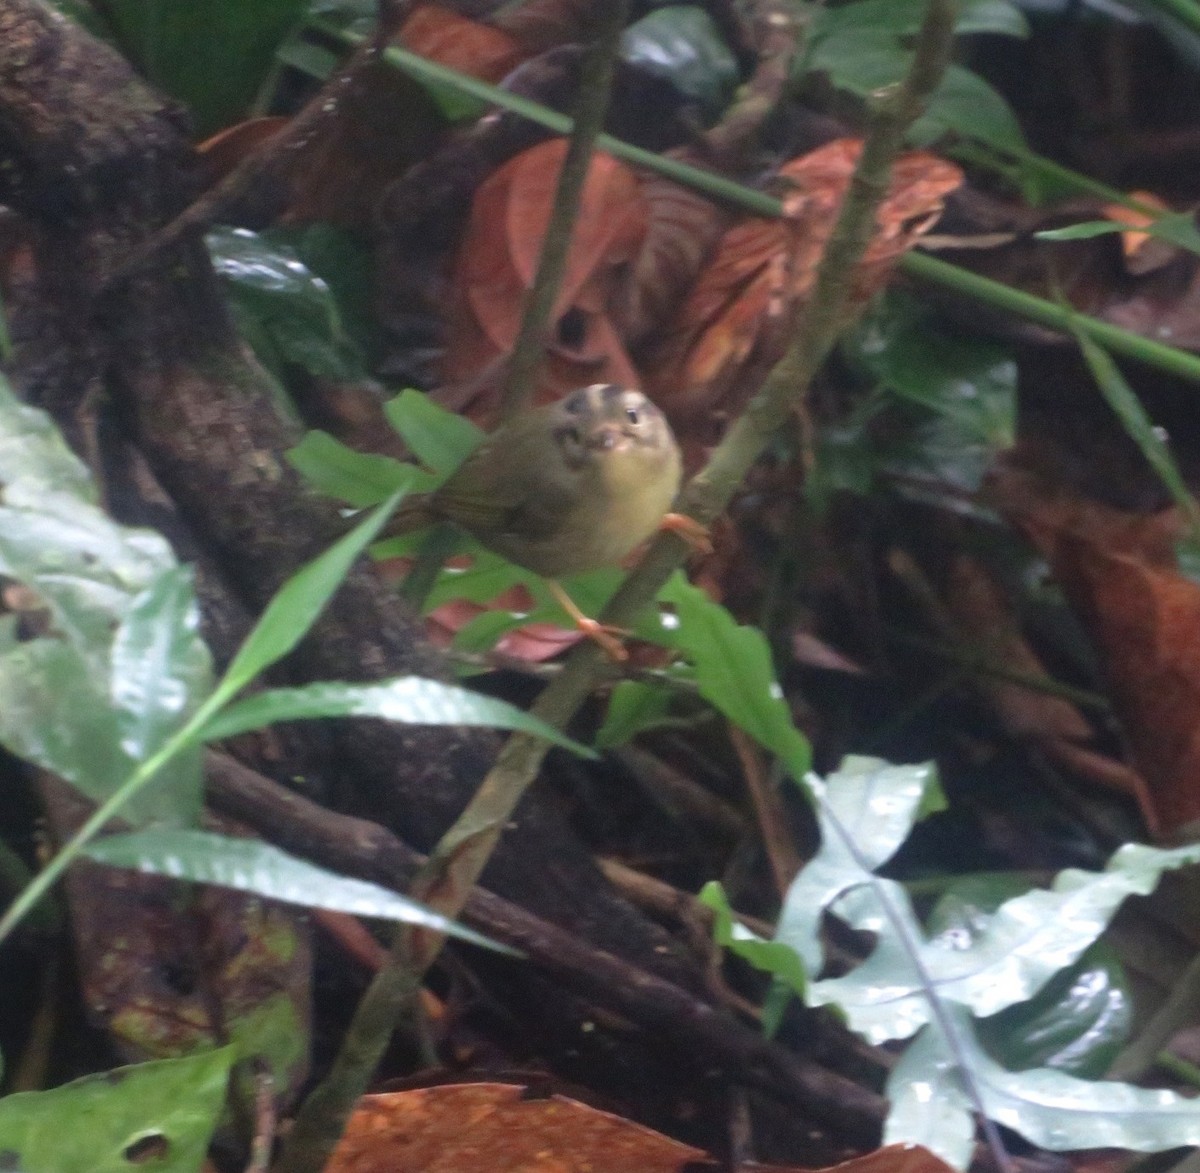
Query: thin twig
[
  {"x": 595, "y": 86},
  {"x": 465, "y": 848}
]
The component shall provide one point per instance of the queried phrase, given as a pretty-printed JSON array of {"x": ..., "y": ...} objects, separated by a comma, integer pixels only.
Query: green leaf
[
  {"x": 1023, "y": 945},
  {"x": 97, "y": 1124},
  {"x": 1141, "y": 430},
  {"x": 769, "y": 956},
  {"x": 411, "y": 699},
  {"x": 160, "y": 671},
  {"x": 902, "y": 18},
  {"x": 1083, "y": 231},
  {"x": 734, "y": 672},
  {"x": 248, "y": 865},
  {"x": 970, "y": 380},
  {"x": 1177, "y": 228},
  {"x": 633, "y": 708},
  {"x": 1076, "y": 1023},
  {"x": 359, "y": 478},
  {"x": 298, "y": 602},
  {"x": 441, "y": 439},
  {"x": 212, "y": 55},
  {"x": 861, "y": 61},
  {"x": 963, "y": 390},
  {"x": 124, "y": 665},
  {"x": 1050, "y": 1109},
  {"x": 159, "y": 665},
  {"x": 967, "y": 106},
  {"x": 681, "y": 44},
  {"x": 34, "y": 458},
  {"x": 285, "y": 309},
  {"x": 876, "y": 805}
]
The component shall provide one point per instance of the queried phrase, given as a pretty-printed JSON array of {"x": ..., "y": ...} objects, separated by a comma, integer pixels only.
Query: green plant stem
[
  {"x": 465, "y": 848},
  {"x": 595, "y": 87},
  {"x": 451, "y": 873},
  {"x": 1048, "y": 313},
  {"x": 915, "y": 264}
]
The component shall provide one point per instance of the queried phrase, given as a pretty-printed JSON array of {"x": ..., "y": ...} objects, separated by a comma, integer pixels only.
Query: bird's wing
[{"x": 513, "y": 483}]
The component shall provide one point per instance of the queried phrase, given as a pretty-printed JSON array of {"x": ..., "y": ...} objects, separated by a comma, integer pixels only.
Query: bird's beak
[{"x": 605, "y": 439}]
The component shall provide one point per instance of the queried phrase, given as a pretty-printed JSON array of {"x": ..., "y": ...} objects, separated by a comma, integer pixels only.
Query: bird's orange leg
[
  {"x": 605, "y": 636},
  {"x": 688, "y": 528}
]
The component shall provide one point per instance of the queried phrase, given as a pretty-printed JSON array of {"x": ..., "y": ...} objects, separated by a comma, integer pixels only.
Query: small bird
[{"x": 563, "y": 489}]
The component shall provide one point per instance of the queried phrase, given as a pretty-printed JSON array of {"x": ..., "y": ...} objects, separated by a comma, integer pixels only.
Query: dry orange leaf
[
  {"x": 444, "y": 36},
  {"x": 498, "y": 258},
  {"x": 734, "y": 319},
  {"x": 1143, "y": 616},
  {"x": 1142, "y": 252},
  {"x": 489, "y": 1128}
]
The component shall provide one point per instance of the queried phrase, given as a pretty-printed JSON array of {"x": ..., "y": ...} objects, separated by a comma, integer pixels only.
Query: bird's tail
[{"x": 414, "y": 513}]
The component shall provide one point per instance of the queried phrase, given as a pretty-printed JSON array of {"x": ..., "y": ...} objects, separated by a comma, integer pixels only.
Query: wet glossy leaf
[
  {"x": 876, "y": 805},
  {"x": 964, "y": 391},
  {"x": 300, "y": 600},
  {"x": 1049, "y": 1108},
  {"x": 970, "y": 380},
  {"x": 681, "y": 44},
  {"x": 411, "y": 699},
  {"x": 288, "y": 313},
  {"x": 248, "y": 865},
  {"x": 1027, "y": 941},
  {"x": 1076, "y": 1023},
  {"x": 734, "y": 672},
  {"x": 169, "y": 1108},
  {"x": 124, "y": 665}
]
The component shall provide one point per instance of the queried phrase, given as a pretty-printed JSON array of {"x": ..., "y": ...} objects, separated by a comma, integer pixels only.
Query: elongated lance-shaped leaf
[
  {"x": 1129, "y": 410},
  {"x": 299, "y": 601},
  {"x": 248, "y": 865},
  {"x": 408, "y": 698}
]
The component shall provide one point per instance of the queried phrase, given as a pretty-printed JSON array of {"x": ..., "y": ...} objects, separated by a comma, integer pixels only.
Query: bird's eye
[{"x": 631, "y": 414}]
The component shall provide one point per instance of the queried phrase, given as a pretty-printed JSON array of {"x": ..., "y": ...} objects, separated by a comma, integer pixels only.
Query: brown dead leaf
[
  {"x": 221, "y": 153},
  {"x": 1117, "y": 570},
  {"x": 497, "y": 261},
  {"x": 733, "y": 323},
  {"x": 469, "y": 46},
  {"x": 489, "y": 1128},
  {"x": 167, "y": 967},
  {"x": 895, "y": 1158},
  {"x": 985, "y": 621},
  {"x": 683, "y": 227}
]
